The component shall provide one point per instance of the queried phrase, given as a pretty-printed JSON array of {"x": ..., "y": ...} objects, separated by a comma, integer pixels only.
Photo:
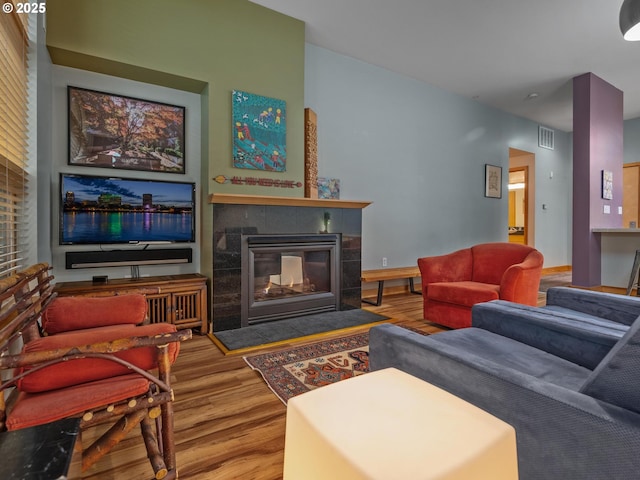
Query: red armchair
[{"x": 453, "y": 283}]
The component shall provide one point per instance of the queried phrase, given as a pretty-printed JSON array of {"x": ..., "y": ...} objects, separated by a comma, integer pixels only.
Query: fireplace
[
  {"x": 289, "y": 275},
  {"x": 239, "y": 217}
]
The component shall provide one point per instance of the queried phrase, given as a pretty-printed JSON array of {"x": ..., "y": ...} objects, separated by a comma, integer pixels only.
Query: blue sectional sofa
[
  {"x": 577, "y": 325},
  {"x": 573, "y": 421}
]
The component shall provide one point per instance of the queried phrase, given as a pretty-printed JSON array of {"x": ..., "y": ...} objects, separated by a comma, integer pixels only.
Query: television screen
[{"x": 95, "y": 210}]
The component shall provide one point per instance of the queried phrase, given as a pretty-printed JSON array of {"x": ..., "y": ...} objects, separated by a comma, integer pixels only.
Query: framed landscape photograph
[
  {"x": 114, "y": 131},
  {"x": 492, "y": 181}
]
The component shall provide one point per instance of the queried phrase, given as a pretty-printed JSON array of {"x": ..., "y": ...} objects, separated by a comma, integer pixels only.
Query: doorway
[
  {"x": 521, "y": 187},
  {"x": 518, "y": 205}
]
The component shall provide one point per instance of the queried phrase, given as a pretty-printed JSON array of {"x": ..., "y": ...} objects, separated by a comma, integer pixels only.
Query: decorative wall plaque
[
  {"x": 257, "y": 181},
  {"x": 310, "y": 153}
]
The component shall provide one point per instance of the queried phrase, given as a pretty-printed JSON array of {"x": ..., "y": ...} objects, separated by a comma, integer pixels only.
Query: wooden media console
[{"x": 177, "y": 299}]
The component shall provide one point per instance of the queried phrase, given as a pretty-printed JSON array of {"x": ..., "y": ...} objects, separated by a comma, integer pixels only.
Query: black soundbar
[{"x": 122, "y": 258}]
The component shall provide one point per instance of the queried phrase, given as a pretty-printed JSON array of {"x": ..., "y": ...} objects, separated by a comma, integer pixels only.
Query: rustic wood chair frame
[{"x": 23, "y": 297}]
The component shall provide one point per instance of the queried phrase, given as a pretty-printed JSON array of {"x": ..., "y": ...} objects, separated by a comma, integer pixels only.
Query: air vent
[{"x": 545, "y": 137}]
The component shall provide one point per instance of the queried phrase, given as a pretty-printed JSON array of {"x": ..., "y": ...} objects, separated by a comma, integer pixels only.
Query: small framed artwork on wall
[
  {"x": 492, "y": 181},
  {"x": 607, "y": 185},
  {"x": 328, "y": 188}
]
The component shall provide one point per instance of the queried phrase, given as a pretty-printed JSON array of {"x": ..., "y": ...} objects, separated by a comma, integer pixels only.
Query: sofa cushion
[
  {"x": 574, "y": 336},
  {"x": 482, "y": 346},
  {"x": 618, "y": 308},
  {"x": 462, "y": 293},
  {"x": 575, "y": 318},
  {"x": 75, "y": 313},
  {"x": 615, "y": 379},
  {"x": 33, "y": 409},
  {"x": 74, "y": 372}
]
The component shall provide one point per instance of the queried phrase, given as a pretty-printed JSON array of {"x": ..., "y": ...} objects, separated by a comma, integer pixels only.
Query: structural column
[{"x": 597, "y": 148}]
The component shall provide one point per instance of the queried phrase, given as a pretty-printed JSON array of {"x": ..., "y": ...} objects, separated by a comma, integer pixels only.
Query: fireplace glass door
[{"x": 290, "y": 275}]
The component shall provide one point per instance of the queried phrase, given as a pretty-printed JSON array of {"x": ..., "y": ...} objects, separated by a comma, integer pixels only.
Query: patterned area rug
[{"x": 297, "y": 370}]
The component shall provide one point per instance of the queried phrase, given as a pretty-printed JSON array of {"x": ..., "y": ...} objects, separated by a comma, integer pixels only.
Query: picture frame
[
  {"x": 115, "y": 131},
  {"x": 607, "y": 185},
  {"x": 492, "y": 181},
  {"x": 259, "y": 129},
  {"x": 329, "y": 188}
]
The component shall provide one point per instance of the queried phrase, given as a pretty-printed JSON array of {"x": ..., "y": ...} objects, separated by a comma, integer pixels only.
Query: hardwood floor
[{"x": 228, "y": 424}]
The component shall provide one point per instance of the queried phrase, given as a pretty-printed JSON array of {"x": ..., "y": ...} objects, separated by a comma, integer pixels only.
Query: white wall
[
  {"x": 419, "y": 153},
  {"x": 61, "y": 78}
]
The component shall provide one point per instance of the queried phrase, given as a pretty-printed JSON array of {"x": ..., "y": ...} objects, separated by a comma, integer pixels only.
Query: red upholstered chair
[
  {"x": 453, "y": 283},
  {"x": 95, "y": 360}
]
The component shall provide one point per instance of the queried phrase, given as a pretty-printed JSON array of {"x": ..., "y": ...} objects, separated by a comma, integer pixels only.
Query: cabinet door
[
  {"x": 186, "y": 308},
  {"x": 160, "y": 308}
]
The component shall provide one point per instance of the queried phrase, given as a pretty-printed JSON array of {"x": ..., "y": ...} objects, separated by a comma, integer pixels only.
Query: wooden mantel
[{"x": 284, "y": 201}]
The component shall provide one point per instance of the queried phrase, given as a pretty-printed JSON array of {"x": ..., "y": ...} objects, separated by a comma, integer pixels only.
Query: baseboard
[
  {"x": 597, "y": 288},
  {"x": 557, "y": 269},
  {"x": 607, "y": 289},
  {"x": 398, "y": 289}
]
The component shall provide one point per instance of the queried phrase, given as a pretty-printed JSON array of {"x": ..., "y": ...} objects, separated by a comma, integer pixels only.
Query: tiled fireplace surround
[{"x": 234, "y": 215}]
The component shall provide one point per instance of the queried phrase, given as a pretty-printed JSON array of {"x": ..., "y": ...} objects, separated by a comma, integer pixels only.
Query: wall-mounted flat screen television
[{"x": 100, "y": 210}]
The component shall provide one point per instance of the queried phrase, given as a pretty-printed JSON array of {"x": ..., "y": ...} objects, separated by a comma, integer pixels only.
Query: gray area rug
[{"x": 286, "y": 329}]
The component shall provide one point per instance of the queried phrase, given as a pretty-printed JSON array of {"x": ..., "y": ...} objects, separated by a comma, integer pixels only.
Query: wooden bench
[{"x": 389, "y": 274}]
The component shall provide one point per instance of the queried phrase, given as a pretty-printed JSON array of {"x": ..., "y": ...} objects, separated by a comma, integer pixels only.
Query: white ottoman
[{"x": 390, "y": 425}]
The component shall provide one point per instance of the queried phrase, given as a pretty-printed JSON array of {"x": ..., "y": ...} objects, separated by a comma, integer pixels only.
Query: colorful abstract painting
[
  {"x": 259, "y": 132},
  {"x": 328, "y": 188}
]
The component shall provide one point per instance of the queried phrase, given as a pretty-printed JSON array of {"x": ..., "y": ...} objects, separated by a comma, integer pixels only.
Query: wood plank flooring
[{"x": 228, "y": 424}]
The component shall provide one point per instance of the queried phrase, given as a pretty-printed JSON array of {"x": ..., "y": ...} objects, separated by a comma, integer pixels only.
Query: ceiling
[{"x": 496, "y": 52}]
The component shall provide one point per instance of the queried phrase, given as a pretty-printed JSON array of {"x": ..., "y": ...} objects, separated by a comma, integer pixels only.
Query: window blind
[{"x": 14, "y": 45}]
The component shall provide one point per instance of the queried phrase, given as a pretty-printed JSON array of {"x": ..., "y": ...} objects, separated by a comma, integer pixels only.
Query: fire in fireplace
[{"x": 289, "y": 275}]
